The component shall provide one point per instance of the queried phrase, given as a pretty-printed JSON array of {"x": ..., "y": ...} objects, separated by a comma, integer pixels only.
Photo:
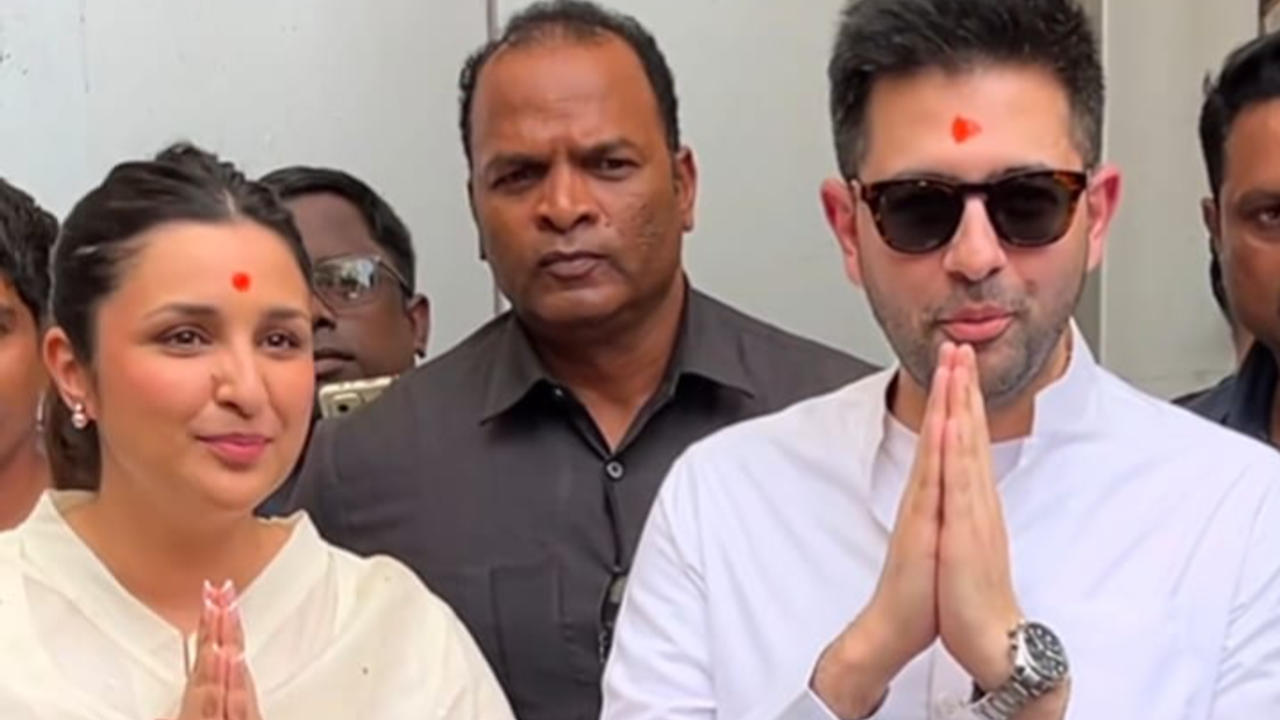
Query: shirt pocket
[{"x": 529, "y": 613}]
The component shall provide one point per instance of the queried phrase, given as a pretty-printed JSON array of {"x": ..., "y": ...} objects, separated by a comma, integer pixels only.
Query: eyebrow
[
  {"x": 608, "y": 147},
  {"x": 1257, "y": 195},
  {"x": 1002, "y": 173},
  {"x": 208, "y": 312},
  {"x": 596, "y": 150}
]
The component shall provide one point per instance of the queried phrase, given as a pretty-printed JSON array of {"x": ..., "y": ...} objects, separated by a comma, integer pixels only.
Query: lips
[
  {"x": 570, "y": 266},
  {"x": 977, "y": 325},
  {"x": 239, "y": 451},
  {"x": 331, "y": 361}
]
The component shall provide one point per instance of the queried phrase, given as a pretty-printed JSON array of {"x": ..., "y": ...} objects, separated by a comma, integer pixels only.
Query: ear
[
  {"x": 71, "y": 378},
  {"x": 475, "y": 217},
  {"x": 842, "y": 215},
  {"x": 1212, "y": 224},
  {"x": 419, "y": 311},
  {"x": 686, "y": 182},
  {"x": 1103, "y": 199}
]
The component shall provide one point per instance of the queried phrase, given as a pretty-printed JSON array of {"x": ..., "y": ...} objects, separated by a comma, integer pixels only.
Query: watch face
[{"x": 1045, "y": 651}]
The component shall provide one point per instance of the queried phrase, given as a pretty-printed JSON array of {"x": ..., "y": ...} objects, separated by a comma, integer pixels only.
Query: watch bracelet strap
[{"x": 1003, "y": 703}]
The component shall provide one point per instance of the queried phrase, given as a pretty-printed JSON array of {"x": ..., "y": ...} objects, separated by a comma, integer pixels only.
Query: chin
[
  {"x": 237, "y": 491},
  {"x": 570, "y": 309}
]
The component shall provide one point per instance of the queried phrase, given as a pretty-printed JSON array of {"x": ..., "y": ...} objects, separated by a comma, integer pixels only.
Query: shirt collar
[
  {"x": 1252, "y": 392},
  {"x": 1065, "y": 408},
  {"x": 63, "y": 560},
  {"x": 707, "y": 347}
]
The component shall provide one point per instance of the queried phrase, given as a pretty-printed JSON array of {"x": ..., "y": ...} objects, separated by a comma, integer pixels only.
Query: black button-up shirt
[
  {"x": 493, "y": 483},
  {"x": 1242, "y": 401}
]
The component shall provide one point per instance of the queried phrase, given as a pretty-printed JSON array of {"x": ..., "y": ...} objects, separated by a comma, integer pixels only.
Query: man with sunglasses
[
  {"x": 1239, "y": 135},
  {"x": 362, "y": 258},
  {"x": 514, "y": 472},
  {"x": 997, "y": 528}
]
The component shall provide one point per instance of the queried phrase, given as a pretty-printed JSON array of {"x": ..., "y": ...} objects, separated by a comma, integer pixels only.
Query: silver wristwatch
[{"x": 1039, "y": 666}]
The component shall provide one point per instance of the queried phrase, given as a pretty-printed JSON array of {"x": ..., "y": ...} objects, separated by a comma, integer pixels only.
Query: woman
[
  {"x": 180, "y": 350},
  {"x": 27, "y": 233}
]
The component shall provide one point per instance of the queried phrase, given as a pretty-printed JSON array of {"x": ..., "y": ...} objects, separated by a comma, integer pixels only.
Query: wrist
[
  {"x": 1053, "y": 706},
  {"x": 1036, "y": 686},
  {"x": 852, "y": 677},
  {"x": 994, "y": 664}
]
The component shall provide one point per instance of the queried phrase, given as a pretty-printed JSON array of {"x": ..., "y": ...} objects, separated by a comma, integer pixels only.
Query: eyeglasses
[
  {"x": 1027, "y": 210},
  {"x": 353, "y": 280}
]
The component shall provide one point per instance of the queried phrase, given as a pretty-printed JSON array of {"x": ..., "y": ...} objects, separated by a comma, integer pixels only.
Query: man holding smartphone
[{"x": 371, "y": 323}]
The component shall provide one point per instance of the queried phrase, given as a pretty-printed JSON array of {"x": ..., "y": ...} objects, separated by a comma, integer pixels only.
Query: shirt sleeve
[
  {"x": 1248, "y": 683},
  {"x": 660, "y": 667}
]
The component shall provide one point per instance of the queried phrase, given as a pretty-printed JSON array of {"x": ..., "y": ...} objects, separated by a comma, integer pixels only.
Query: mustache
[{"x": 986, "y": 292}]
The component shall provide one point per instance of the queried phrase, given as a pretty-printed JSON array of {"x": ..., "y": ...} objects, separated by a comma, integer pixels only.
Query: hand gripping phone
[{"x": 344, "y": 398}]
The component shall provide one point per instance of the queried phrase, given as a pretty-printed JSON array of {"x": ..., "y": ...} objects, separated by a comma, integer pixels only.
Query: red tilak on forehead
[
  {"x": 241, "y": 281},
  {"x": 963, "y": 129}
]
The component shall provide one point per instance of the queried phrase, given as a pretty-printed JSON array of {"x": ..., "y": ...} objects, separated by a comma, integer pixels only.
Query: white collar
[
  {"x": 1064, "y": 409},
  {"x": 62, "y": 559}
]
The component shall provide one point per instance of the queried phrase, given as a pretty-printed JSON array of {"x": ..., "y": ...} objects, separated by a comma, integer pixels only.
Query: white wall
[
  {"x": 751, "y": 79},
  {"x": 1160, "y": 327},
  {"x": 368, "y": 87}
]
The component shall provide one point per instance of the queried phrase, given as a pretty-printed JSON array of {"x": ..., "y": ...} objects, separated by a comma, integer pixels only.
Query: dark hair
[
  {"x": 580, "y": 21},
  {"x": 1218, "y": 286},
  {"x": 1250, "y": 75},
  {"x": 27, "y": 233},
  {"x": 183, "y": 183},
  {"x": 387, "y": 229},
  {"x": 879, "y": 38}
]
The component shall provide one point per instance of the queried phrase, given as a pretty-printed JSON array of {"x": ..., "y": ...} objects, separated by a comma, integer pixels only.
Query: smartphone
[{"x": 344, "y": 398}]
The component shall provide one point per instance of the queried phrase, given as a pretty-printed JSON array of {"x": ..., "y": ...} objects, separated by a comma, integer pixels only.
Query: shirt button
[
  {"x": 558, "y": 393},
  {"x": 615, "y": 470}
]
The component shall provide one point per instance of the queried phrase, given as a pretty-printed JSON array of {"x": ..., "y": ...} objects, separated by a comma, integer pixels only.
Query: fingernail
[
  {"x": 207, "y": 590},
  {"x": 228, "y": 587}
]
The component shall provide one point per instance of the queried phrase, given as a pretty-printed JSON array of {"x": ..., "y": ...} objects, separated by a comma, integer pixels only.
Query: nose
[
  {"x": 238, "y": 383},
  {"x": 566, "y": 203},
  {"x": 975, "y": 253},
  {"x": 323, "y": 316}
]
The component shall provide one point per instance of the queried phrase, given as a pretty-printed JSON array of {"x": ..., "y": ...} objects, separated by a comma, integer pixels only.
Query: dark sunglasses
[
  {"x": 352, "y": 280},
  {"x": 1027, "y": 210}
]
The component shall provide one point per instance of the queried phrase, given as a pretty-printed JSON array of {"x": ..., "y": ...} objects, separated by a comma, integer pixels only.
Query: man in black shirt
[
  {"x": 1240, "y": 136},
  {"x": 514, "y": 473}
]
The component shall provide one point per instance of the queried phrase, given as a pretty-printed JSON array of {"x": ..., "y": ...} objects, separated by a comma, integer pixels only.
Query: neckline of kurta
[{"x": 63, "y": 560}]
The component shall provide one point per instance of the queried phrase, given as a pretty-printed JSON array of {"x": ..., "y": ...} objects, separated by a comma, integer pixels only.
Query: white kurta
[
  {"x": 327, "y": 635},
  {"x": 1146, "y": 537}
]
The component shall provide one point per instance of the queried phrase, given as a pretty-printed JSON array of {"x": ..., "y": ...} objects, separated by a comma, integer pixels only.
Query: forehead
[
  {"x": 1252, "y": 151},
  {"x": 331, "y": 225},
  {"x": 9, "y": 297},
  {"x": 1020, "y": 115},
  {"x": 562, "y": 88},
  {"x": 190, "y": 260}
]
